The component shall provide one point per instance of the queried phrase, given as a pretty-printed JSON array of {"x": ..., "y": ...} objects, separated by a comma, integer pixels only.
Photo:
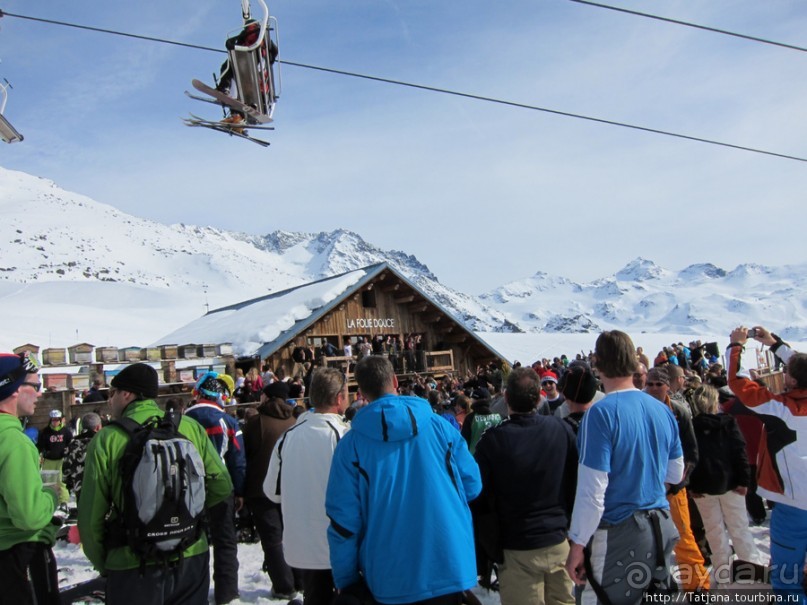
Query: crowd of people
[{"x": 552, "y": 483}]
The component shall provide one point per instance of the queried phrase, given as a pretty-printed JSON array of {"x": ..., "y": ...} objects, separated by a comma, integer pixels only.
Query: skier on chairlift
[
  {"x": 248, "y": 74},
  {"x": 246, "y": 37}
]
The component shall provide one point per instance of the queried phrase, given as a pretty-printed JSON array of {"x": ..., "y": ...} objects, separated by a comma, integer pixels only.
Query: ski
[
  {"x": 225, "y": 129},
  {"x": 243, "y": 125},
  {"x": 230, "y": 102}
]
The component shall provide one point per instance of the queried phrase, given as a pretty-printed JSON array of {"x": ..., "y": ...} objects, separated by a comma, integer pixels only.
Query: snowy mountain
[
  {"x": 643, "y": 297},
  {"x": 73, "y": 269},
  {"x": 103, "y": 275}
]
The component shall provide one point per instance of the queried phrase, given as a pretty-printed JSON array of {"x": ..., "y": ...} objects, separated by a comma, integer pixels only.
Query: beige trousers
[{"x": 536, "y": 577}]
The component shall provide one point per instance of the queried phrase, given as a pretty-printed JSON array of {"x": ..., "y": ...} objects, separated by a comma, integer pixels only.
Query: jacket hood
[
  {"x": 276, "y": 408},
  {"x": 9, "y": 422},
  {"x": 392, "y": 418},
  {"x": 711, "y": 421},
  {"x": 481, "y": 407}
]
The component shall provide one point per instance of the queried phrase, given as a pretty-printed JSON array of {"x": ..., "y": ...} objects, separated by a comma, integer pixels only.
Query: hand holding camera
[{"x": 741, "y": 334}]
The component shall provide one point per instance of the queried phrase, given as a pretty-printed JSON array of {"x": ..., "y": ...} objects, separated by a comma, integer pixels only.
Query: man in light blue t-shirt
[{"x": 629, "y": 448}]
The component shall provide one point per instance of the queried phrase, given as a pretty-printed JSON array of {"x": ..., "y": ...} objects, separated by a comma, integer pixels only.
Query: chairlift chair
[
  {"x": 252, "y": 65},
  {"x": 250, "y": 59},
  {"x": 8, "y": 133}
]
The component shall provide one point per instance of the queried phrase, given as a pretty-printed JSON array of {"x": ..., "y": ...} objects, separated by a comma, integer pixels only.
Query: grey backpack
[{"x": 163, "y": 489}]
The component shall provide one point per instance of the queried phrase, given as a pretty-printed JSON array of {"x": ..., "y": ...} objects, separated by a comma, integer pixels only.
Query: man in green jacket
[
  {"x": 27, "y": 566},
  {"x": 132, "y": 395}
]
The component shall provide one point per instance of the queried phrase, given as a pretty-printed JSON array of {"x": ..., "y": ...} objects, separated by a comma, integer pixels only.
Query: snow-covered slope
[
  {"x": 73, "y": 269},
  {"x": 643, "y": 297}
]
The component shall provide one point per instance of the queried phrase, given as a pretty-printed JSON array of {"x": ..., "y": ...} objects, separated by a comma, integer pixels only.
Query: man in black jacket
[
  {"x": 52, "y": 443},
  {"x": 529, "y": 473}
]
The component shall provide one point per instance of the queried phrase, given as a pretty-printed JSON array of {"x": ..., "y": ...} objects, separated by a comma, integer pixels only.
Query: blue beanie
[{"x": 13, "y": 371}]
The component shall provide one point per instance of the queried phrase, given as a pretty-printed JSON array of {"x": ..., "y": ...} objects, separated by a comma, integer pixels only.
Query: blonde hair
[{"x": 705, "y": 399}]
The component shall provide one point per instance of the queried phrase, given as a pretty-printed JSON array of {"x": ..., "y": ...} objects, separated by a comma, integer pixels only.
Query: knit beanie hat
[
  {"x": 549, "y": 377},
  {"x": 13, "y": 370},
  {"x": 578, "y": 384},
  {"x": 658, "y": 374},
  {"x": 278, "y": 389},
  {"x": 214, "y": 387},
  {"x": 138, "y": 378}
]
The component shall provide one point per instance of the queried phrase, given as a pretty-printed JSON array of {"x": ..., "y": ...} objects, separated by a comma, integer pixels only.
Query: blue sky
[{"x": 482, "y": 193}]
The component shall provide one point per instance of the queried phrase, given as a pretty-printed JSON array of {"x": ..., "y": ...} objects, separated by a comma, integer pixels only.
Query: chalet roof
[{"x": 260, "y": 326}]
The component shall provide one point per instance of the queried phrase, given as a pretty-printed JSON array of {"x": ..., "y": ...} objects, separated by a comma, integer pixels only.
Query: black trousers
[
  {"x": 224, "y": 539},
  {"x": 318, "y": 586},
  {"x": 269, "y": 522},
  {"x": 28, "y": 575},
  {"x": 186, "y": 583}
]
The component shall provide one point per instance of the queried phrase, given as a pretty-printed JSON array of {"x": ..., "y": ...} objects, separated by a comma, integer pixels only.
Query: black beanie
[
  {"x": 277, "y": 389},
  {"x": 138, "y": 378},
  {"x": 578, "y": 384}
]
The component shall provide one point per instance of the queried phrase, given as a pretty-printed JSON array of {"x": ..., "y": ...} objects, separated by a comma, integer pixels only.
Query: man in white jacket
[{"x": 298, "y": 477}]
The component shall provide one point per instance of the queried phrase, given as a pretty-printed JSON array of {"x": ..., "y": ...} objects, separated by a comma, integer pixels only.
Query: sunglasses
[
  {"x": 657, "y": 384},
  {"x": 37, "y": 386},
  {"x": 547, "y": 383}
]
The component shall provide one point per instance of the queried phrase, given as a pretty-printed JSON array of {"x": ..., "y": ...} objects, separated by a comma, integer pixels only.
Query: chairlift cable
[
  {"x": 546, "y": 110},
  {"x": 689, "y": 24},
  {"x": 110, "y": 31},
  {"x": 433, "y": 89}
]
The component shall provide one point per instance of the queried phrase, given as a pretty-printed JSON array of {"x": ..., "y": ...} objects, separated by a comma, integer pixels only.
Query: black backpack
[{"x": 163, "y": 490}]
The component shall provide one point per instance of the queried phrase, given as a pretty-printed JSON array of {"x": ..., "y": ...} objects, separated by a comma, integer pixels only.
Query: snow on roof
[{"x": 253, "y": 324}]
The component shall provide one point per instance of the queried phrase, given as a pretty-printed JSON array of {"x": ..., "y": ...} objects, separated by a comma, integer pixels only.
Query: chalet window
[{"x": 368, "y": 299}]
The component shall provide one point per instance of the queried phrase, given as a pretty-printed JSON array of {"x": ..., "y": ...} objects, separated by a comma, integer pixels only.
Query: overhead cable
[
  {"x": 688, "y": 24},
  {"x": 435, "y": 89}
]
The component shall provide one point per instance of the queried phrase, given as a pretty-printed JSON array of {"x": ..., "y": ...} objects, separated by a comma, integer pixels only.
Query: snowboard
[{"x": 250, "y": 112}]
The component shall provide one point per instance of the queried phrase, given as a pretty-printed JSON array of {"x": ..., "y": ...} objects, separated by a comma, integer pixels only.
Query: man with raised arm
[{"x": 781, "y": 462}]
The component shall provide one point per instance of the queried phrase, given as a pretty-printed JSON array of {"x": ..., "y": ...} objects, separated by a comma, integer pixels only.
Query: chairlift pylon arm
[{"x": 3, "y": 88}]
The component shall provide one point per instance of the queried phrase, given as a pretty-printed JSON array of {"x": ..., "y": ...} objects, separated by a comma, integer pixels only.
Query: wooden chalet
[{"x": 375, "y": 301}]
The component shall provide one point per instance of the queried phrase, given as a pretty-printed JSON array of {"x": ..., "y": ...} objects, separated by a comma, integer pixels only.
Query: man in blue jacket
[
  {"x": 397, "y": 499},
  {"x": 213, "y": 391}
]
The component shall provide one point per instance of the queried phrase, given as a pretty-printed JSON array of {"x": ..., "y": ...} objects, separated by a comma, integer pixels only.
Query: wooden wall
[{"x": 388, "y": 306}]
